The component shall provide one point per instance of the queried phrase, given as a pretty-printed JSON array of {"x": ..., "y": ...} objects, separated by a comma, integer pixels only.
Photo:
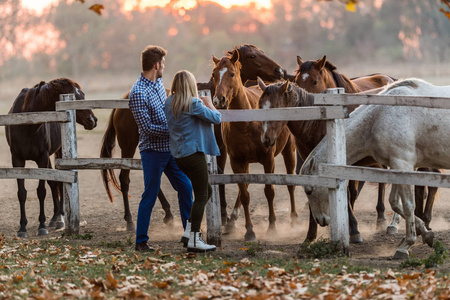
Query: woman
[{"x": 190, "y": 122}]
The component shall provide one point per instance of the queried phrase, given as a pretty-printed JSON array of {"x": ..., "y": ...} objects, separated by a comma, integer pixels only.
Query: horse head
[
  {"x": 313, "y": 75},
  {"x": 227, "y": 79},
  {"x": 317, "y": 196},
  {"x": 274, "y": 96},
  {"x": 59, "y": 86},
  {"x": 256, "y": 63}
]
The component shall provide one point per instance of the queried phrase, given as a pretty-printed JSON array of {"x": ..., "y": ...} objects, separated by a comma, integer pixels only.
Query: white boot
[
  {"x": 187, "y": 231},
  {"x": 197, "y": 244}
]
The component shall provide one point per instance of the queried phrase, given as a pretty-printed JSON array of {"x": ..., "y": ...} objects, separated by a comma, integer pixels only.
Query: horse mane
[
  {"x": 44, "y": 95},
  {"x": 230, "y": 52}
]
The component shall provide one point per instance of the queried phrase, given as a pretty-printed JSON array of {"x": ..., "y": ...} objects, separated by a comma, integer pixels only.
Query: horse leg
[
  {"x": 168, "y": 218},
  {"x": 432, "y": 192},
  {"x": 22, "y": 195},
  {"x": 244, "y": 197},
  {"x": 57, "y": 219},
  {"x": 355, "y": 236},
  {"x": 221, "y": 161},
  {"x": 393, "y": 226},
  {"x": 312, "y": 229},
  {"x": 420, "y": 195},
  {"x": 381, "y": 219},
  {"x": 398, "y": 198},
  {"x": 289, "y": 153},
  {"x": 41, "y": 192},
  {"x": 269, "y": 168},
  {"x": 124, "y": 179}
]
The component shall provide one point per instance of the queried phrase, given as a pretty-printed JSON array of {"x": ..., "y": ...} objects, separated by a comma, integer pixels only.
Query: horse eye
[
  {"x": 315, "y": 82},
  {"x": 253, "y": 56},
  {"x": 232, "y": 75}
]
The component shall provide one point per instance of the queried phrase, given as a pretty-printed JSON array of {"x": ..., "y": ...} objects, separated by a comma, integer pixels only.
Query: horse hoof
[
  {"x": 381, "y": 224},
  {"x": 391, "y": 230},
  {"x": 22, "y": 234},
  {"x": 130, "y": 227},
  {"x": 428, "y": 238},
  {"x": 42, "y": 231},
  {"x": 401, "y": 254},
  {"x": 52, "y": 223},
  {"x": 230, "y": 228},
  {"x": 250, "y": 237},
  {"x": 356, "y": 238},
  {"x": 59, "y": 225},
  {"x": 168, "y": 220}
]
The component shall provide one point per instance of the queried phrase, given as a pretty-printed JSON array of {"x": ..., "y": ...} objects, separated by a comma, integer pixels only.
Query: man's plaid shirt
[{"x": 147, "y": 100}]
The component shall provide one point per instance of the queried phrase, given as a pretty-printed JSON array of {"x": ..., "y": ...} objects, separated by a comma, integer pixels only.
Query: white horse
[{"x": 401, "y": 137}]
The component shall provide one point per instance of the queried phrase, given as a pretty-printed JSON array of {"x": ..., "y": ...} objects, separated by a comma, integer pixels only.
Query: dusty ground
[{"x": 105, "y": 220}]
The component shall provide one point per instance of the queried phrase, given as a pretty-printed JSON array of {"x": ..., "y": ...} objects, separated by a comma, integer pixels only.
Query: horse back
[{"x": 372, "y": 82}]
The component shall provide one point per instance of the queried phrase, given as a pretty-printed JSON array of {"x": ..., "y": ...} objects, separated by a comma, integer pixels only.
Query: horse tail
[{"x": 108, "y": 144}]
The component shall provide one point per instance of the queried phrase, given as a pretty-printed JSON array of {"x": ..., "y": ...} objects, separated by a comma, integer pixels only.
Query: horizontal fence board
[
  {"x": 38, "y": 173},
  {"x": 355, "y": 99},
  {"x": 92, "y": 104},
  {"x": 386, "y": 176},
  {"x": 235, "y": 115},
  {"x": 284, "y": 114},
  {"x": 30, "y": 118},
  {"x": 275, "y": 179},
  {"x": 98, "y": 163}
]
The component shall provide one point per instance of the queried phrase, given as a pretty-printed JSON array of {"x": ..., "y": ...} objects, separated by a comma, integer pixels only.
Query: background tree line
[{"x": 397, "y": 31}]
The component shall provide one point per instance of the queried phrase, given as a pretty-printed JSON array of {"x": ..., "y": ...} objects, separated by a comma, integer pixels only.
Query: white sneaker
[
  {"x": 187, "y": 231},
  {"x": 197, "y": 244}
]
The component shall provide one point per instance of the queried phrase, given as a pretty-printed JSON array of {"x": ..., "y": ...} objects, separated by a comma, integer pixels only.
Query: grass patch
[
  {"x": 322, "y": 248},
  {"x": 435, "y": 259}
]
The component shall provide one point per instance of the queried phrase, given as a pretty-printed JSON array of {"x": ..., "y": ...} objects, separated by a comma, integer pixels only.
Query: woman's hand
[{"x": 208, "y": 102}]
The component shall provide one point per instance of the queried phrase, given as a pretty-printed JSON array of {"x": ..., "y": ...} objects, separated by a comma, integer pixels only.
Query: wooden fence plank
[
  {"x": 98, "y": 163},
  {"x": 355, "y": 99},
  {"x": 92, "y": 104},
  {"x": 386, "y": 176},
  {"x": 38, "y": 173},
  {"x": 30, "y": 118},
  {"x": 275, "y": 179}
]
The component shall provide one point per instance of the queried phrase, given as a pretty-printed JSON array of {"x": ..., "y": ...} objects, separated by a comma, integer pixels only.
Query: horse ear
[
  {"x": 235, "y": 56},
  {"x": 321, "y": 62},
  {"x": 284, "y": 87},
  {"x": 299, "y": 60},
  {"x": 215, "y": 59},
  {"x": 261, "y": 84}
]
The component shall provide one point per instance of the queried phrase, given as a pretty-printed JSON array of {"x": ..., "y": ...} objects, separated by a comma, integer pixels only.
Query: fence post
[
  {"x": 70, "y": 190},
  {"x": 336, "y": 154},
  {"x": 213, "y": 217}
]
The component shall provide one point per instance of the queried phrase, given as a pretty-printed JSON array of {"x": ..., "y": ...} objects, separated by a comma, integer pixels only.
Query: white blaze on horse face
[
  {"x": 222, "y": 72},
  {"x": 304, "y": 76},
  {"x": 77, "y": 90},
  {"x": 266, "y": 105}
]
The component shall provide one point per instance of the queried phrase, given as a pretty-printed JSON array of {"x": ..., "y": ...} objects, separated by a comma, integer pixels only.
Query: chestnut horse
[
  {"x": 307, "y": 135},
  {"x": 121, "y": 125},
  {"x": 242, "y": 139},
  {"x": 39, "y": 141}
]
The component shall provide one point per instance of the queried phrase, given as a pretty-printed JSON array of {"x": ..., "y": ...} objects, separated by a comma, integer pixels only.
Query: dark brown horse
[
  {"x": 307, "y": 135},
  {"x": 38, "y": 142},
  {"x": 123, "y": 126},
  {"x": 242, "y": 139}
]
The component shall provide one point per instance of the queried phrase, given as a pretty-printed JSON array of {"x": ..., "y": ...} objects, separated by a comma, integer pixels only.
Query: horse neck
[
  {"x": 343, "y": 81},
  {"x": 307, "y": 133},
  {"x": 240, "y": 98}
]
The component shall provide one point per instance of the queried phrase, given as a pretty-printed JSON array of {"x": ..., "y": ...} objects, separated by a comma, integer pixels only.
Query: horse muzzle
[
  {"x": 279, "y": 73},
  {"x": 91, "y": 123},
  {"x": 219, "y": 102},
  {"x": 268, "y": 142},
  {"x": 322, "y": 220}
]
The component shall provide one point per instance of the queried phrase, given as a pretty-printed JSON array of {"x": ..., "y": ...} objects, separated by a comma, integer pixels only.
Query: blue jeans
[{"x": 154, "y": 164}]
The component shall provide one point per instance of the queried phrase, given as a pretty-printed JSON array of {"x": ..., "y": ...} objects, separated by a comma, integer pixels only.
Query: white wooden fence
[{"x": 332, "y": 175}]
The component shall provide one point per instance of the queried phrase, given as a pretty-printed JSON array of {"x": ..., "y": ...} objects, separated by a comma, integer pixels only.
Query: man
[{"x": 147, "y": 98}]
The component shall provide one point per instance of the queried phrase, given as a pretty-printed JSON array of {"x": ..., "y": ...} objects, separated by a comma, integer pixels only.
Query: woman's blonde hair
[{"x": 184, "y": 88}]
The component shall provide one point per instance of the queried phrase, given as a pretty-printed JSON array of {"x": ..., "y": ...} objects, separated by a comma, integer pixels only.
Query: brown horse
[
  {"x": 242, "y": 139},
  {"x": 121, "y": 125},
  {"x": 38, "y": 142},
  {"x": 307, "y": 135}
]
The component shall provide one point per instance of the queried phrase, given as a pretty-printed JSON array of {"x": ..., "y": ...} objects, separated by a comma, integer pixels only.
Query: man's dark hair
[{"x": 151, "y": 55}]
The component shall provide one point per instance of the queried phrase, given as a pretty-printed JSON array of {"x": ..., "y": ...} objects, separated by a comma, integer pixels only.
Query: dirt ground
[{"x": 104, "y": 220}]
